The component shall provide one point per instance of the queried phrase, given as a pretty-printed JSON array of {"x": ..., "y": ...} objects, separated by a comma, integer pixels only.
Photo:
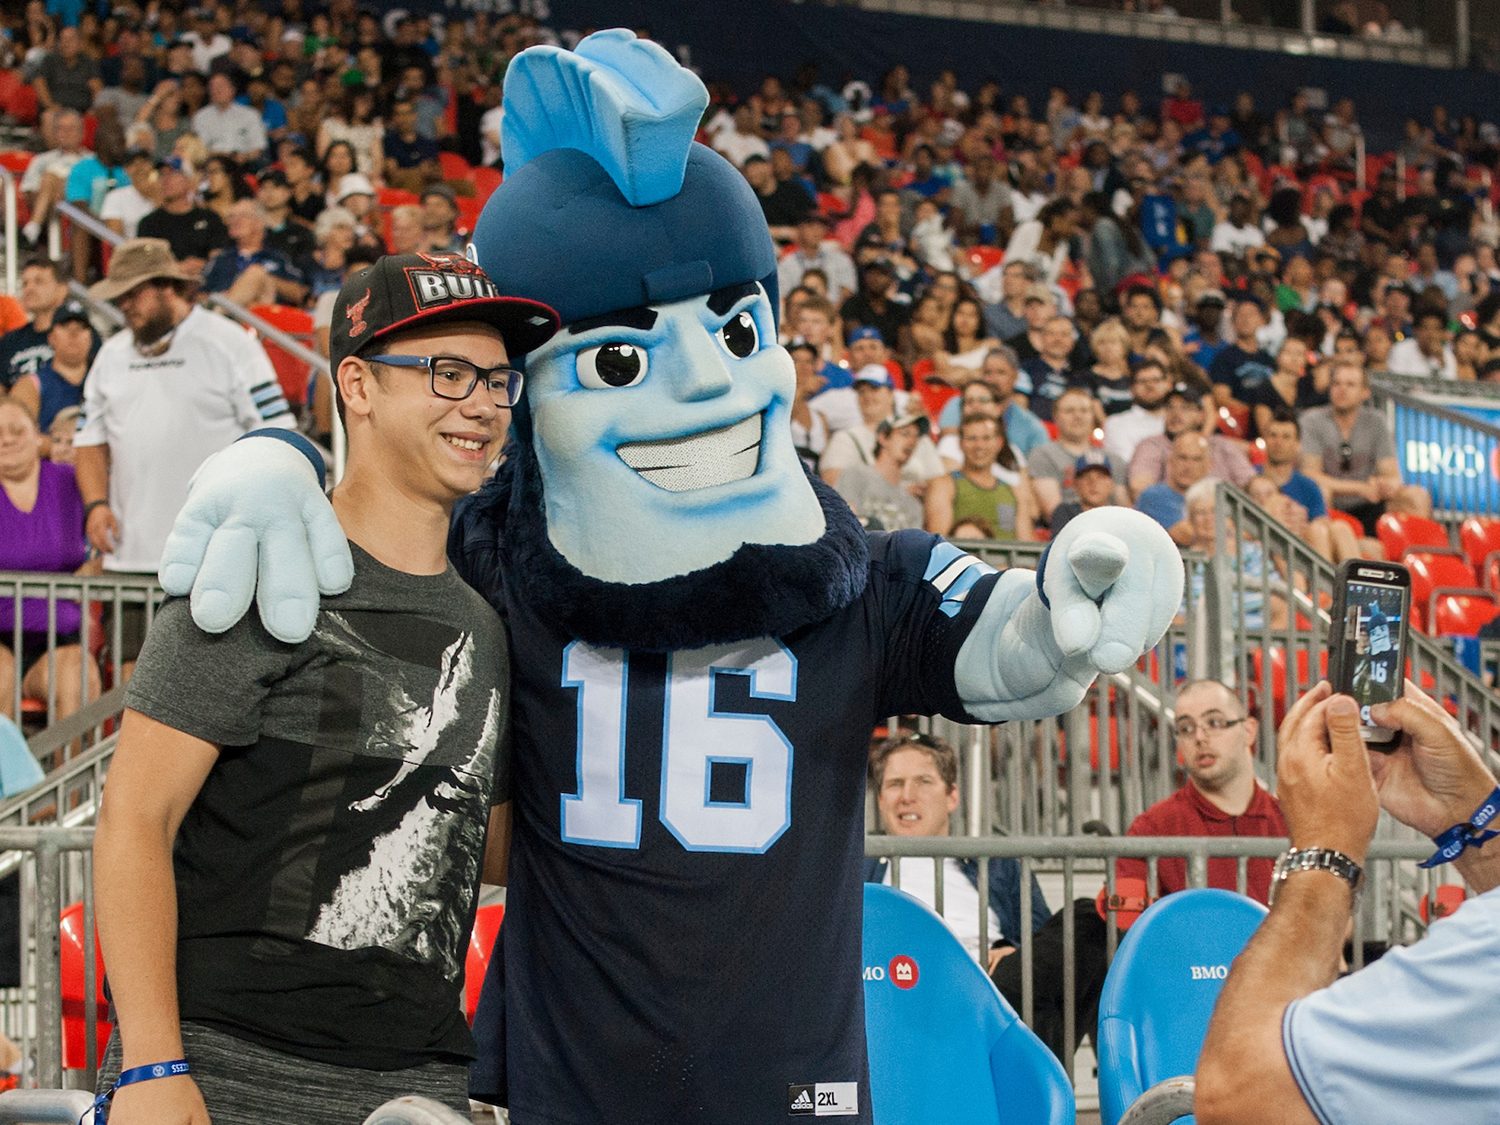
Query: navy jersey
[{"x": 683, "y": 934}]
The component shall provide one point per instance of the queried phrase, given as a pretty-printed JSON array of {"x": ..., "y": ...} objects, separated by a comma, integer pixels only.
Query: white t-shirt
[
  {"x": 489, "y": 127},
  {"x": 1230, "y": 239},
  {"x": 53, "y": 161},
  {"x": 1123, "y": 432},
  {"x": 960, "y": 899},
  {"x": 856, "y": 446},
  {"x": 206, "y": 50},
  {"x": 235, "y": 128},
  {"x": 1406, "y": 358},
  {"x": 163, "y": 416},
  {"x": 739, "y": 147},
  {"x": 323, "y": 309},
  {"x": 128, "y": 205}
]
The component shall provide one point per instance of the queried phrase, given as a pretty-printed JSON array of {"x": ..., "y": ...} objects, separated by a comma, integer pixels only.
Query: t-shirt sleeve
[
  {"x": 91, "y": 424},
  {"x": 929, "y": 595},
  {"x": 257, "y": 393},
  {"x": 211, "y": 686},
  {"x": 1384, "y": 443},
  {"x": 1405, "y": 1039}
]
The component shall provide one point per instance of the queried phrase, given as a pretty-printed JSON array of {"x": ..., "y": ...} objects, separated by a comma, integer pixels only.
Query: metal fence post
[{"x": 48, "y": 969}]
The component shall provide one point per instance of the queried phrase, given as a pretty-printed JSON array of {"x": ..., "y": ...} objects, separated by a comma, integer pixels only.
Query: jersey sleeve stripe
[
  {"x": 967, "y": 567},
  {"x": 960, "y": 589},
  {"x": 943, "y": 555}
]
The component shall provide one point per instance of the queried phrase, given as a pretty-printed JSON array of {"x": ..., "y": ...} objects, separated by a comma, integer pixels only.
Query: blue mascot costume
[{"x": 702, "y": 634}]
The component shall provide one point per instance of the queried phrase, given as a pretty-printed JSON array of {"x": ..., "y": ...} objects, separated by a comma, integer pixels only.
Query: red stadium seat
[
  {"x": 74, "y": 1012},
  {"x": 396, "y": 197},
  {"x": 455, "y": 167},
  {"x": 1399, "y": 533},
  {"x": 1278, "y": 676},
  {"x": 1432, "y": 571},
  {"x": 1480, "y": 536},
  {"x": 15, "y": 160},
  {"x": 481, "y": 944},
  {"x": 292, "y": 373},
  {"x": 982, "y": 259},
  {"x": 1345, "y": 518},
  {"x": 1234, "y": 421},
  {"x": 1462, "y": 615},
  {"x": 486, "y": 180},
  {"x": 12, "y": 315},
  {"x": 1444, "y": 901},
  {"x": 1127, "y": 903},
  {"x": 468, "y": 212}
]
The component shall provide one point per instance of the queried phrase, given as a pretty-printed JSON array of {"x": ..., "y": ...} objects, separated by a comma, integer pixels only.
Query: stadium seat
[
  {"x": 75, "y": 1045},
  {"x": 291, "y": 372},
  {"x": 1436, "y": 570},
  {"x": 1234, "y": 421},
  {"x": 1348, "y": 521},
  {"x": 481, "y": 944},
  {"x": 396, "y": 197},
  {"x": 468, "y": 213},
  {"x": 486, "y": 180},
  {"x": 15, "y": 160},
  {"x": 1480, "y": 536},
  {"x": 1278, "y": 676},
  {"x": 1161, "y": 990},
  {"x": 944, "y": 1045},
  {"x": 455, "y": 167},
  {"x": 1126, "y": 904},
  {"x": 12, "y": 315},
  {"x": 1462, "y": 614},
  {"x": 982, "y": 259},
  {"x": 1399, "y": 533},
  {"x": 1444, "y": 901}
]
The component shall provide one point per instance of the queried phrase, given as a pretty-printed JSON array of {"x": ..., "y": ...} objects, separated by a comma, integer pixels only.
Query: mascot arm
[
  {"x": 256, "y": 512},
  {"x": 1107, "y": 590}
]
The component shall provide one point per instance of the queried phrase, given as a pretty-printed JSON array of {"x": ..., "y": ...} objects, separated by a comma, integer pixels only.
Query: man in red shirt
[{"x": 1216, "y": 745}]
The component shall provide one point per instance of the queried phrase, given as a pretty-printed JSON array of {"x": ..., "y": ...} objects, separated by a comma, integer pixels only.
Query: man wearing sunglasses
[
  {"x": 333, "y": 802},
  {"x": 1216, "y": 746}
]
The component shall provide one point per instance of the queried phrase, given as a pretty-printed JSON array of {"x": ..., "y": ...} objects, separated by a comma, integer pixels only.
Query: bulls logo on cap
[{"x": 442, "y": 279}]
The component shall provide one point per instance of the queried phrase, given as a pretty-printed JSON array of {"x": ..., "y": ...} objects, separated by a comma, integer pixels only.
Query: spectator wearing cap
[
  {"x": 1243, "y": 364},
  {"x": 1426, "y": 353},
  {"x": 411, "y": 160},
  {"x": 876, "y": 399},
  {"x": 125, "y": 206},
  {"x": 879, "y": 303},
  {"x": 23, "y": 350},
  {"x": 1094, "y": 486},
  {"x": 301, "y": 169},
  {"x": 1184, "y": 414},
  {"x": 67, "y": 76},
  {"x": 283, "y": 231},
  {"x": 875, "y": 489},
  {"x": 227, "y": 127},
  {"x": 251, "y": 271},
  {"x": 206, "y": 40},
  {"x": 814, "y": 250},
  {"x": 357, "y": 196},
  {"x": 990, "y": 485},
  {"x": 1238, "y": 231},
  {"x": 1202, "y": 341},
  {"x": 809, "y": 427},
  {"x": 1005, "y": 298},
  {"x": 1051, "y": 465},
  {"x": 440, "y": 219},
  {"x": 194, "y": 233},
  {"x": 785, "y": 202},
  {"x": 1166, "y": 502},
  {"x": 58, "y": 383},
  {"x": 838, "y": 401}
]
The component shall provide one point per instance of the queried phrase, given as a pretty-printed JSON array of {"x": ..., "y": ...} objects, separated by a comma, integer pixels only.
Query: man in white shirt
[
  {"x": 812, "y": 251},
  {"x": 125, "y": 206},
  {"x": 878, "y": 400},
  {"x": 739, "y": 144},
  {"x": 45, "y": 180},
  {"x": 207, "y": 41},
  {"x": 180, "y": 384},
  {"x": 1426, "y": 353},
  {"x": 915, "y": 778},
  {"x": 1149, "y": 388},
  {"x": 227, "y": 127},
  {"x": 1237, "y": 233}
]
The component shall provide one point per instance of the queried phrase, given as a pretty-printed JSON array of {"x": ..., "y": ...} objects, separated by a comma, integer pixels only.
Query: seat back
[
  {"x": 1399, "y": 532},
  {"x": 75, "y": 1045},
  {"x": 1161, "y": 990},
  {"x": 1433, "y": 569},
  {"x": 481, "y": 944},
  {"x": 944, "y": 1045},
  {"x": 292, "y": 373},
  {"x": 1463, "y": 615},
  {"x": 19, "y": 770}
]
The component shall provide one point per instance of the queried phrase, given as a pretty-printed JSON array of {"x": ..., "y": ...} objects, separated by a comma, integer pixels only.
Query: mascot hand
[
  {"x": 1112, "y": 582},
  {"x": 257, "y": 507}
]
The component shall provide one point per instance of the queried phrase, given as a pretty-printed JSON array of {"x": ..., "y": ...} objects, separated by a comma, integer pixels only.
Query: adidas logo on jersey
[{"x": 800, "y": 1100}]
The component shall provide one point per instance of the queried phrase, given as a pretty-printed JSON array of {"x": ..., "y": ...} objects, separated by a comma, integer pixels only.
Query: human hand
[
  {"x": 1294, "y": 515},
  {"x": 102, "y": 529},
  {"x": 1384, "y": 488},
  {"x": 1435, "y": 779},
  {"x": 1323, "y": 775},
  {"x": 161, "y": 1101}
]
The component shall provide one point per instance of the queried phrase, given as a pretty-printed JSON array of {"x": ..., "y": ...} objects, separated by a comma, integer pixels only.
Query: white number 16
[{"x": 695, "y": 736}]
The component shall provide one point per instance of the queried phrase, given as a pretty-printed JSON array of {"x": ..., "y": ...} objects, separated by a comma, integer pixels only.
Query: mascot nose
[{"x": 698, "y": 368}]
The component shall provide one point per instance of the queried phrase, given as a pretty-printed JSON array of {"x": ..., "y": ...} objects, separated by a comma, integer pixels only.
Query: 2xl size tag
[{"x": 823, "y": 1099}]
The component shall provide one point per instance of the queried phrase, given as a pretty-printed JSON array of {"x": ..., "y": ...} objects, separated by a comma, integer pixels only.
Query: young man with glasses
[
  {"x": 1216, "y": 746},
  {"x": 292, "y": 838}
]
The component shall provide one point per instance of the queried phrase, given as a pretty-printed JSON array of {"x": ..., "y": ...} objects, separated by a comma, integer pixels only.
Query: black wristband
[{"x": 88, "y": 509}]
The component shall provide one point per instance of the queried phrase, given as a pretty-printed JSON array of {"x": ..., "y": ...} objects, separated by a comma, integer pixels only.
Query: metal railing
[
  {"x": 1455, "y": 456},
  {"x": 12, "y": 232},
  {"x": 232, "y": 309}
]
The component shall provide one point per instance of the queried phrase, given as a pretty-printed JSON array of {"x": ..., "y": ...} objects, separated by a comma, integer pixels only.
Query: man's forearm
[
  {"x": 91, "y": 467},
  {"x": 1243, "y": 1074}
]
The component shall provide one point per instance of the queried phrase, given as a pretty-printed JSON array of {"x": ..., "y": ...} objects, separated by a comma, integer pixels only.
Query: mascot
[{"x": 702, "y": 634}]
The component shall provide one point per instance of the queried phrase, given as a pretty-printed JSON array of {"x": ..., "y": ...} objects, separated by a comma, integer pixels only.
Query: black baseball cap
[
  {"x": 404, "y": 291},
  {"x": 70, "y": 311}
]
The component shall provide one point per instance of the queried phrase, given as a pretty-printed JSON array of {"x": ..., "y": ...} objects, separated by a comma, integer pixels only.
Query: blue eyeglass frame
[{"x": 513, "y": 383}]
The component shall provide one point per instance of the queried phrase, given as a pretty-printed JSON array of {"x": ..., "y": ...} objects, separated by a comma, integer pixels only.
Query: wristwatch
[{"x": 1317, "y": 859}]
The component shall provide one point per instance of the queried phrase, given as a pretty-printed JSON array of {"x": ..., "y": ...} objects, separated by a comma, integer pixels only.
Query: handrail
[
  {"x": 86, "y": 221},
  {"x": 1163, "y": 1103},
  {"x": 79, "y": 723},
  {"x": 46, "y": 1107},
  {"x": 105, "y": 309},
  {"x": 414, "y": 1111},
  {"x": 12, "y": 243},
  {"x": 1112, "y": 847}
]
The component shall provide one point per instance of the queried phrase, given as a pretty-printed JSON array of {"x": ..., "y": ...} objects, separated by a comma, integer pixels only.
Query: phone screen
[{"x": 1373, "y": 614}]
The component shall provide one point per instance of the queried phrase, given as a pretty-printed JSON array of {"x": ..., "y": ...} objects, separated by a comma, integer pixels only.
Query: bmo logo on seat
[{"x": 1210, "y": 972}]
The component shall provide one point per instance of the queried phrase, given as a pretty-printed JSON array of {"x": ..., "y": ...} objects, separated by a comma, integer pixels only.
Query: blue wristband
[
  {"x": 131, "y": 1077},
  {"x": 297, "y": 442},
  {"x": 1452, "y": 843}
]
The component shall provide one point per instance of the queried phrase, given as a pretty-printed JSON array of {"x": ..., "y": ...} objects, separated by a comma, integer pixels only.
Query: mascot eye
[
  {"x": 739, "y": 336},
  {"x": 616, "y": 364}
]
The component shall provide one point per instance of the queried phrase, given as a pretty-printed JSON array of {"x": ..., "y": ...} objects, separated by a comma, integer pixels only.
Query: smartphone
[{"x": 1367, "y": 639}]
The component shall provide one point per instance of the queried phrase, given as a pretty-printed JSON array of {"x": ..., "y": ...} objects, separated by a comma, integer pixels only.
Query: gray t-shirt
[
  {"x": 1369, "y": 442},
  {"x": 69, "y": 85},
  {"x": 985, "y": 208},
  {"x": 876, "y": 501},
  {"x": 328, "y": 870},
  {"x": 1054, "y": 462}
]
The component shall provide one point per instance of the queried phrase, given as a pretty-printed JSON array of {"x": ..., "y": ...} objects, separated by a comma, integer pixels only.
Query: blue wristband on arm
[
  {"x": 300, "y": 444},
  {"x": 1452, "y": 843},
  {"x": 131, "y": 1077}
]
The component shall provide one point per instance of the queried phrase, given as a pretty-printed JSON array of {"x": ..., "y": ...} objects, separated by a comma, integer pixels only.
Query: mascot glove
[
  {"x": 254, "y": 512},
  {"x": 1111, "y": 583}
]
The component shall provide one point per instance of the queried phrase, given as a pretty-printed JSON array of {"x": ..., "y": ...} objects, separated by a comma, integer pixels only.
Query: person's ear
[
  {"x": 1252, "y": 728},
  {"x": 355, "y": 380},
  {"x": 952, "y": 799}
]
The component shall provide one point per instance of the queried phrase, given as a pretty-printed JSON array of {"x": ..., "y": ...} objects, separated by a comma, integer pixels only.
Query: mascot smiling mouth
[{"x": 702, "y": 460}]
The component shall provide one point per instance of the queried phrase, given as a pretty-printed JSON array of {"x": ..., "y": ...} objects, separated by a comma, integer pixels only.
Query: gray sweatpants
[{"x": 244, "y": 1083}]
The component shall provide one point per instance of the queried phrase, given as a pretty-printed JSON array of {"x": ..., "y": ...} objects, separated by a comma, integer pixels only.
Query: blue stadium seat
[
  {"x": 1161, "y": 990},
  {"x": 944, "y": 1044},
  {"x": 19, "y": 771}
]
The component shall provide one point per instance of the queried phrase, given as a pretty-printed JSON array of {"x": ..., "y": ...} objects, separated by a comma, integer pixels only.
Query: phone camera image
[{"x": 1372, "y": 629}]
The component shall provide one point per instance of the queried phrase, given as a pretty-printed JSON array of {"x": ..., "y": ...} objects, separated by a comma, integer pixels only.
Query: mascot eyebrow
[{"x": 720, "y": 301}]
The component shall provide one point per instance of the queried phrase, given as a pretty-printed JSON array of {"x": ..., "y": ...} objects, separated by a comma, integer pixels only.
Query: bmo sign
[
  {"x": 1453, "y": 451},
  {"x": 902, "y": 972}
]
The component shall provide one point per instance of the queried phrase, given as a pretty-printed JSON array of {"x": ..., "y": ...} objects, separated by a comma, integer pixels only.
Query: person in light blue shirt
[
  {"x": 1411, "y": 1037},
  {"x": 1166, "y": 502}
]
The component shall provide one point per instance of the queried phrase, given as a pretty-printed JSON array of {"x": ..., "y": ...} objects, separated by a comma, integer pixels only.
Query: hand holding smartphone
[{"x": 1367, "y": 640}]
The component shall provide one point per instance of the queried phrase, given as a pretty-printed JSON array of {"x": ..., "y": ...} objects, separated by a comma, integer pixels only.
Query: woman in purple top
[{"x": 41, "y": 528}]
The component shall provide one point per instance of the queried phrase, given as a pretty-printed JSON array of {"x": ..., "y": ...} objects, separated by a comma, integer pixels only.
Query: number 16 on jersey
[{"x": 696, "y": 737}]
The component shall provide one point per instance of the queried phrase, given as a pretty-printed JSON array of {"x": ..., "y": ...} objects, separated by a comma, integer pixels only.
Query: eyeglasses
[
  {"x": 1346, "y": 457},
  {"x": 1213, "y": 722},
  {"x": 455, "y": 379}
]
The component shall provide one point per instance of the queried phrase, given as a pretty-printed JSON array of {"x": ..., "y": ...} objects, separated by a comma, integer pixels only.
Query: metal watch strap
[{"x": 1317, "y": 859}]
